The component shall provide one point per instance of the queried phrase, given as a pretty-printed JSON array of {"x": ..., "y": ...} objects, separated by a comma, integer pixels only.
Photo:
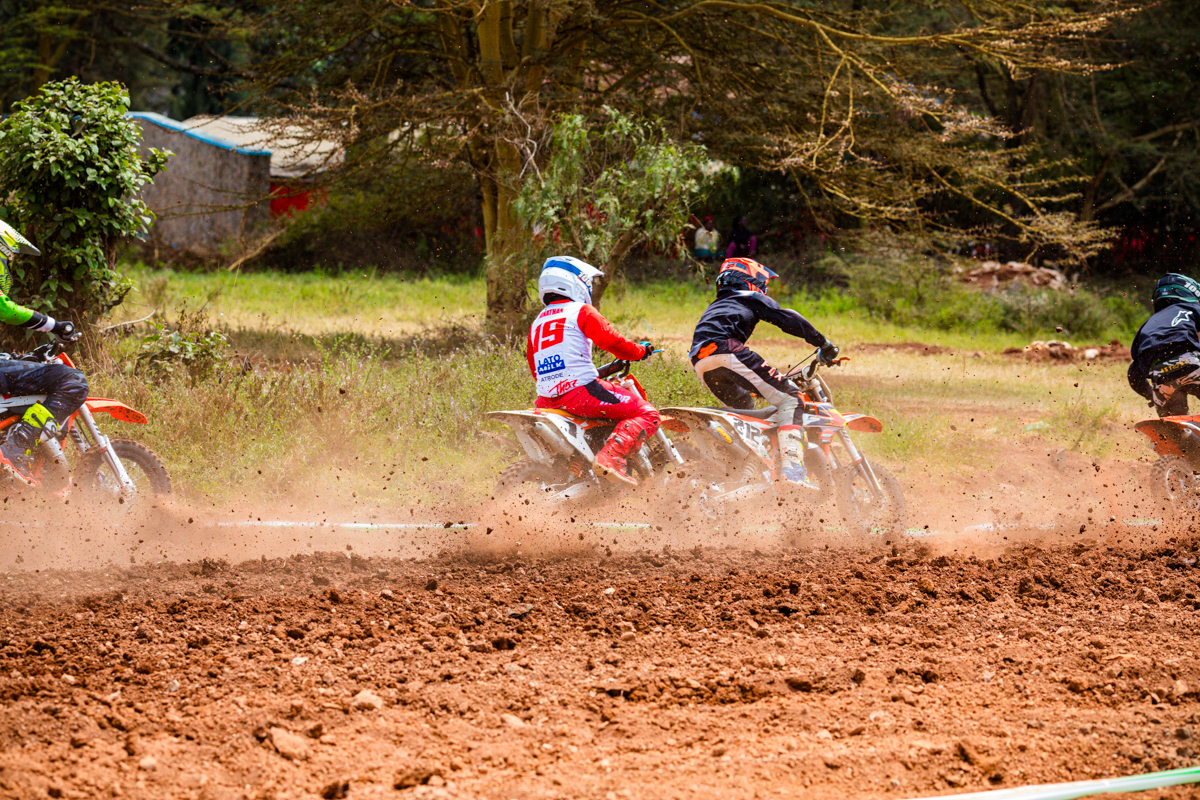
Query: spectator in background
[
  {"x": 708, "y": 241},
  {"x": 742, "y": 243}
]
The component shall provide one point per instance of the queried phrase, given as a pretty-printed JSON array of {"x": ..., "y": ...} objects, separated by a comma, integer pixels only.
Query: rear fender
[
  {"x": 1165, "y": 434},
  {"x": 752, "y": 433},
  {"x": 674, "y": 425},
  {"x": 544, "y": 436},
  {"x": 116, "y": 409}
]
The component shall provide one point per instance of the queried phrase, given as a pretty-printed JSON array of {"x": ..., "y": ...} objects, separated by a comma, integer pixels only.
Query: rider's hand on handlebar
[
  {"x": 65, "y": 331},
  {"x": 829, "y": 352},
  {"x": 649, "y": 350}
]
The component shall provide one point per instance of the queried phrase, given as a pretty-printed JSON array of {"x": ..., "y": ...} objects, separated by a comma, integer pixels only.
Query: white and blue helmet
[{"x": 568, "y": 277}]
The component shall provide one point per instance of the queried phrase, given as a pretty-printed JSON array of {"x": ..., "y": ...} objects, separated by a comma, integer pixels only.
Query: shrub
[
  {"x": 919, "y": 291},
  {"x": 1079, "y": 313},
  {"x": 164, "y": 353},
  {"x": 70, "y": 170}
]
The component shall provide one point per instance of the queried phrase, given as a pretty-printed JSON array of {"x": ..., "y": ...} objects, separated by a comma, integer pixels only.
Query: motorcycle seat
[{"x": 756, "y": 413}]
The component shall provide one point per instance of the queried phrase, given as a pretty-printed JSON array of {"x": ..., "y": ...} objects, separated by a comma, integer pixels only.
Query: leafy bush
[
  {"x": 165, "y": 353},
  {"x": 1079, "y": 313},
  {"x": 923, "y": 292},
  {"x": 918, "y": 291},
  {"x": 70, "y": 172},
  {"x": 610, "y": 185}
]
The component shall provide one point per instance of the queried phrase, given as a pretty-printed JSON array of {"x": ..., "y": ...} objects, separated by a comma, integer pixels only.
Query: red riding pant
[{"x": 603, "y": 400}]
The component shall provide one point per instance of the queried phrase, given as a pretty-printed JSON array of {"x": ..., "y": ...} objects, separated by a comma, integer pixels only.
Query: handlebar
[
  {"x": 41, "y": 354},
  {"x": 808, "y": 370},
  {"x": 618, "y": 367},
  {"x": 614, "y": 367}
]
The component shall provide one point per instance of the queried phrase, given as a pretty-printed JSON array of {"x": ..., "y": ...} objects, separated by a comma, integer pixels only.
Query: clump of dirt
[
  {"x": 1055, "y": 351},
  {"x": 992, "y": 275}
]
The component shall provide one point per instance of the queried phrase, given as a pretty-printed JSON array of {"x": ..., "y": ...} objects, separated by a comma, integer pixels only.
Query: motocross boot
[
  {"x": 791, "y": 447},
  {"x": 612, "y": 461},
  {"x": 610, "y": 465},
  {"x": 16, "y": 452}
]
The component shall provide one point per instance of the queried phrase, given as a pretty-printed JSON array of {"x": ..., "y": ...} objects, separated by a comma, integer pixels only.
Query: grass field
[
  {"x": 393, "y": 306},
  {"x": 376, "y": 405}
]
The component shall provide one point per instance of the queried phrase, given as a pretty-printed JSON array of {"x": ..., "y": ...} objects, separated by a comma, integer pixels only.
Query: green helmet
[
  {"x": 11, "y": 243},
  {"x": 1174, "y": 288}
]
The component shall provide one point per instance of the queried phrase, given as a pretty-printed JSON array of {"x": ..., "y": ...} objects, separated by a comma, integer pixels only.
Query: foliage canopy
[
  {"x": 842, "y": 94},
  {"x": 70, "y": 172},
  {"x": 606, "y": 188}
]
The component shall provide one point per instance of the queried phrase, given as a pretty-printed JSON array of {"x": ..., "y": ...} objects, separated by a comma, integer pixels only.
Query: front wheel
[
  {"x": 1175, "y": 484},
  {"x": 864, "y": 510},
  {"x": 97, "y": 481}
]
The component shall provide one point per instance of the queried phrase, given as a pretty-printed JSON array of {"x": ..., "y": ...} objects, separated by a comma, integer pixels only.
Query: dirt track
[{"x": 700, "y": 673}]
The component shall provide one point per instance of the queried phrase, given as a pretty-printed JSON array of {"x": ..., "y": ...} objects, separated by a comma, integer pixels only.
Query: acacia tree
[
  {"x": 1132, "y": 132},
  {"x": 833, "y": 91},
  {"x": 608, "y": 187}
]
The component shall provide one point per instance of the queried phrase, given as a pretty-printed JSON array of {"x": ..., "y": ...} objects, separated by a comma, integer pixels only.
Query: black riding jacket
[
  {"x": 1170, "y": 332},
  {"x": 735, "y": 313}
]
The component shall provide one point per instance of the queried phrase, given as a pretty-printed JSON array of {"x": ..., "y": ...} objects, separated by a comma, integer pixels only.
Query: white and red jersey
[{"x": 559, "y": 347}]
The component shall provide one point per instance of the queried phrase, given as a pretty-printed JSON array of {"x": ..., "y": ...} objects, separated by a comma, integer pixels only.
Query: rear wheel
[
  {"x": 534, "y": 482},
  {"x": 866, "y": 511},
  {"x": 523, "y": 477},
  {"x": 1175, "y": 484},
  {"x": 97, "y": 482}
]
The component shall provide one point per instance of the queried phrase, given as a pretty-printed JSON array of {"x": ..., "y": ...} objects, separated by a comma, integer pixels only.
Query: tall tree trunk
[{"x": 506, "y": 267}]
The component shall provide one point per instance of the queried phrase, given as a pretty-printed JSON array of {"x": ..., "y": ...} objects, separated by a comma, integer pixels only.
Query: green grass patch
[{"x": 373, "y": 389}]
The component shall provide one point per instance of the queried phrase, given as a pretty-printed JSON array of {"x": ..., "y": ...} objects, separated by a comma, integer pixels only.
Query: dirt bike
[
  {"x": 740, "y": 453},
  {"x": 118, "y": 471},
  {"x": 560, "y": 448},
  {"x": 1175, "y": 476}
]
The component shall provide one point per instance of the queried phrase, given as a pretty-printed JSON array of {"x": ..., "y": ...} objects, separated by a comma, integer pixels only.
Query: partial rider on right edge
[
  {"x": 734, "y": 373},
  {"x": 1166, "y": 349}
]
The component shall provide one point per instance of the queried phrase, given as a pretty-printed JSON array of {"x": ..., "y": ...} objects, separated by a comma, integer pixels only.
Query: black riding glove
[
  {"x": 649, "y": 350},
  {"x": 829, "y": 352},
  {"x": 65, "y": 331}
]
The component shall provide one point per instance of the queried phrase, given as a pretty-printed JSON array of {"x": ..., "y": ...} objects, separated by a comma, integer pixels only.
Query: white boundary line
[
  {"x": 1069, "y": 791},
  {"x": 375, "y": 526}
]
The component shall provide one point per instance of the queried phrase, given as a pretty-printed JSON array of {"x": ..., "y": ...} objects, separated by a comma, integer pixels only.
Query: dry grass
[{"x": 372, "y": 391}]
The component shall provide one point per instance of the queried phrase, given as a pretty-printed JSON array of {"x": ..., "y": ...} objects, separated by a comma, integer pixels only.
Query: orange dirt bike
[
  {"x": 1175, "y": 476},
  {"x": 102, "y": 470},
  {"x": 560, "y": 448},
  {"x": 739, "y": 453}
]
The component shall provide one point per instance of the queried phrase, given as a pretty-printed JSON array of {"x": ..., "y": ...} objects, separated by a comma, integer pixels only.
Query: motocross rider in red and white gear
[{"x": 559, "y": 352}]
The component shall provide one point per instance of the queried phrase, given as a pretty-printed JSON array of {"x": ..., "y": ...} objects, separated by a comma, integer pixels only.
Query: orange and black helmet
[{"x": 745, "y": 273}]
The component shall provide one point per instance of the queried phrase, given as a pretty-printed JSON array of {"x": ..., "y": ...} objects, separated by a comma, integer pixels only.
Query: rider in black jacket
[
  {"x": 1166, "y": 349},
  {"x": 735, "y": 373}
]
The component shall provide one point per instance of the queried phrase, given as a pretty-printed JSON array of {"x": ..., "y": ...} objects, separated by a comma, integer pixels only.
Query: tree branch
[{"x": 1129, "y": 192}]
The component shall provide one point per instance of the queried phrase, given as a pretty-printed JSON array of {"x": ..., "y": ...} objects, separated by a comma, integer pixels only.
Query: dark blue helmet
[{"x": 1174, "y": 288}]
